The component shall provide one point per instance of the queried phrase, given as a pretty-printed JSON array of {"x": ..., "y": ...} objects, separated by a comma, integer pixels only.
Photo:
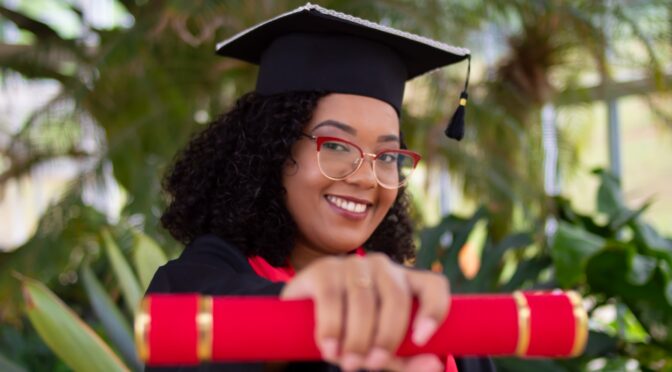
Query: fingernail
[
  {"x": 329, "y": 348},
  {"x": 351, "y": 362},
  {"x": 423, "y": 330},
  {"x": 377, "y": 358}
]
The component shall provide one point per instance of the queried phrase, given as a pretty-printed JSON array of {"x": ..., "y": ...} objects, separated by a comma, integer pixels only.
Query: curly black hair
[{"x": 228, "y": 182}]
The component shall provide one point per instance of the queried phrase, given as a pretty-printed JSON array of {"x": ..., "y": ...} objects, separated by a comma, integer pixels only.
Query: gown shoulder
[{"x": 210, "y": 265}]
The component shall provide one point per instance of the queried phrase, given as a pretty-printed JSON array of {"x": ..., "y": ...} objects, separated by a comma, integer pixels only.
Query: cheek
[
  {"x": 387, "y": 198},
  {"x": 303, "y": 183}
]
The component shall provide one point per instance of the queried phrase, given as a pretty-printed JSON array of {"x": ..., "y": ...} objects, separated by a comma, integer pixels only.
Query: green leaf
[
  {"x": 116, "y": 326},
  {"x": 616, "y": 364},
  {"x": 600, "y": 343},
  {"x": 527, "y": 270},
  {"x": 147, "y": 257},
  {"x": 625, "y": 216},
  {"x": 632, "y": 329},
  {"x": 609, "y": 196},
  {"x": 642, "y": 269},
  {"x": 64, "y": 230},
  {"x": 7, "y": 365},
  {"x": 571, "y": 249},
  {"x": 608, "y": 272},
  {"x": 528, "y": 365},
  {"x": 122, "y": 270},
  {"x": 489, "y": 273},
  {"x": 647, "y": 237},
  {"x": 430, "y": 240},
  {"x": 492, "y": 257},
  {"x": 65, "y": 333},
  {"x": 461, "y": 233}
]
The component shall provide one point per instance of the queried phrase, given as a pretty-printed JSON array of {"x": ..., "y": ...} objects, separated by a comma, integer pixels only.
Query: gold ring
[
  {"x": 523, "y": 323},
  {"x": 141, "y": 328},
  {"x": 580, "y": 324},
  {"x": 204, "y": 325}
]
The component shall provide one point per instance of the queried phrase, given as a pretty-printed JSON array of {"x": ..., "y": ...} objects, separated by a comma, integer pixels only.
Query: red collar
[{"x": 280, "y": 274}]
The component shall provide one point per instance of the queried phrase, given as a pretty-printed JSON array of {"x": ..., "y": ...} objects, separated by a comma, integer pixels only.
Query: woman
[{"x": 302, "y": 182}]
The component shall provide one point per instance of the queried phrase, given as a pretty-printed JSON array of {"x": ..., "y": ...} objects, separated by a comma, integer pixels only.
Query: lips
[{"x": 349, "y": 204}]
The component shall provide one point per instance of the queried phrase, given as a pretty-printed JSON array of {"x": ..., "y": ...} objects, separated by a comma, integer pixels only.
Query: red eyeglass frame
[{"x": 319, "y": 140}]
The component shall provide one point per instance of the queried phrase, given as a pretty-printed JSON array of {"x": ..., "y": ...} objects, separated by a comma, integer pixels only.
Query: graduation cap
[{"x": 313, "y": 48}]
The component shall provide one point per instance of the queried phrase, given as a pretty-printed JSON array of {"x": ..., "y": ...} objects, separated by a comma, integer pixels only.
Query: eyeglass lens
[{"x": 340, "y": 159}]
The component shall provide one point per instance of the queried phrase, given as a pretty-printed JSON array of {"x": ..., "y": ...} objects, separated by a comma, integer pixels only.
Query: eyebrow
[{"x": 352, "y": 131}]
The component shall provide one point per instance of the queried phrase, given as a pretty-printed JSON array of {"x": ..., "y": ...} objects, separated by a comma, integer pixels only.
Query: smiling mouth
[{"x": 347, "y": 205}]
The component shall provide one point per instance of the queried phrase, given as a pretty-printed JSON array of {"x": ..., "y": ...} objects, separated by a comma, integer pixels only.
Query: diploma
[{"x": 186, "y": 329}]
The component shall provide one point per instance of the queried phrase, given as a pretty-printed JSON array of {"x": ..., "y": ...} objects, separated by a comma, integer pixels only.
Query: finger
[
  {"x": 422, "y": 362},
  {"x": 433, "y": 294},
  {"x": 324, "y": 285},
  {"x": 394, "y": 301},
  {"x": 360, "y": 312}
]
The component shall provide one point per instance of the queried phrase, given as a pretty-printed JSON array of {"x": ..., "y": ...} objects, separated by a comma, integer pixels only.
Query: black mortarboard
[{"x": 313, "y": 48}]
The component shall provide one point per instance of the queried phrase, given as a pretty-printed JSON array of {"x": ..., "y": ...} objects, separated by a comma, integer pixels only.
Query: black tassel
[{"x": 455, "y": 128}]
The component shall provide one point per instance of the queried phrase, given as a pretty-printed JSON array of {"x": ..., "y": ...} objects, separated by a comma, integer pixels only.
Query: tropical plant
[
  {"x": 540, "y": 51},
  {"x": 619, "y": 263},
  {"x": 98, "y": 336}
]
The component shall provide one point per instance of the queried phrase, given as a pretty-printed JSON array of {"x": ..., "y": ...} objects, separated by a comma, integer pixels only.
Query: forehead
[{"x": 368, "y": 116}]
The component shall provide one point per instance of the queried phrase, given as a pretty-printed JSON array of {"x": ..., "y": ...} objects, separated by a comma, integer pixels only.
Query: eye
[
  {"x": 388, "y": 157},
  {"x": 336, "y": 146}
]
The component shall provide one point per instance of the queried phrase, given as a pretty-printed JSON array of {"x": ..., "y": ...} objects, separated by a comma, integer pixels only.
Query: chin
[{"x": 341, "y": 245}]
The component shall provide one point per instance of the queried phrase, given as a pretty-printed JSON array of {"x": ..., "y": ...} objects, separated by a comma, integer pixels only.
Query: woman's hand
[{"x": 362, "y": 310}]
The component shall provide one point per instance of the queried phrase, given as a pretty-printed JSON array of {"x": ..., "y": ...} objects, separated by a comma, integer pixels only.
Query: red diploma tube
[{"x": 188, "y": 329}]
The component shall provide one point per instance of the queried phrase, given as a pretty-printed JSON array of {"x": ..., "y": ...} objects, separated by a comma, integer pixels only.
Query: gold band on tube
[
  {"x": 463, "y": 102},
  {"x": 141, "y": 330},
  {"x": 204, "y": 325},
  {"x": 580, "y": 323},
  {"x": 523, "y": 323}
]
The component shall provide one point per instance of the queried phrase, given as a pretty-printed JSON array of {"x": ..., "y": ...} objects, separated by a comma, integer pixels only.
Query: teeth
[{"x": 347, "y": 205}]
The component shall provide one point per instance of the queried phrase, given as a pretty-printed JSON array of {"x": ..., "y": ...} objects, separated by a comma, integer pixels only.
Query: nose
[{"x": 364, "y": 176}]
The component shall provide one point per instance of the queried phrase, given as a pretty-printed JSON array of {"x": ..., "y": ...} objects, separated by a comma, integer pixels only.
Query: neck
[{"x": 303, "y": 256}]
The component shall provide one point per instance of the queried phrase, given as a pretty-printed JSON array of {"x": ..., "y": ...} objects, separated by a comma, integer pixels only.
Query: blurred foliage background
[{"x": 115, "y": 87}]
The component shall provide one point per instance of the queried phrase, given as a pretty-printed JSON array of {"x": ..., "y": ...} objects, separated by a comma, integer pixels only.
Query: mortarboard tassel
[{"x": 455, "y": 128}]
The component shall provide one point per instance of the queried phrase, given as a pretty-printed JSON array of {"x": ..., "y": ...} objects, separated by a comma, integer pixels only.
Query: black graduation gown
[{"x": 210, "y": 265}]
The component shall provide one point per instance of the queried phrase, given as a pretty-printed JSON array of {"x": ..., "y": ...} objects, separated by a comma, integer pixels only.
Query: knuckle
[
  {"x": 327, "y": 327},
  {"x": 442, "y": 282},
  {"x": 328, "y": 322},
  {"x": 436, "y": 280},
  {"x": 354, "y": 344},
  {"x": 328, "y": 293},
  {"x": 395, "y": 293},
  {"x": 362, "y": 299}
]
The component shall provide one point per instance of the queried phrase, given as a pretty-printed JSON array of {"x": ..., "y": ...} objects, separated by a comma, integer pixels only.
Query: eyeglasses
[{"x": 338, "y": 159}]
